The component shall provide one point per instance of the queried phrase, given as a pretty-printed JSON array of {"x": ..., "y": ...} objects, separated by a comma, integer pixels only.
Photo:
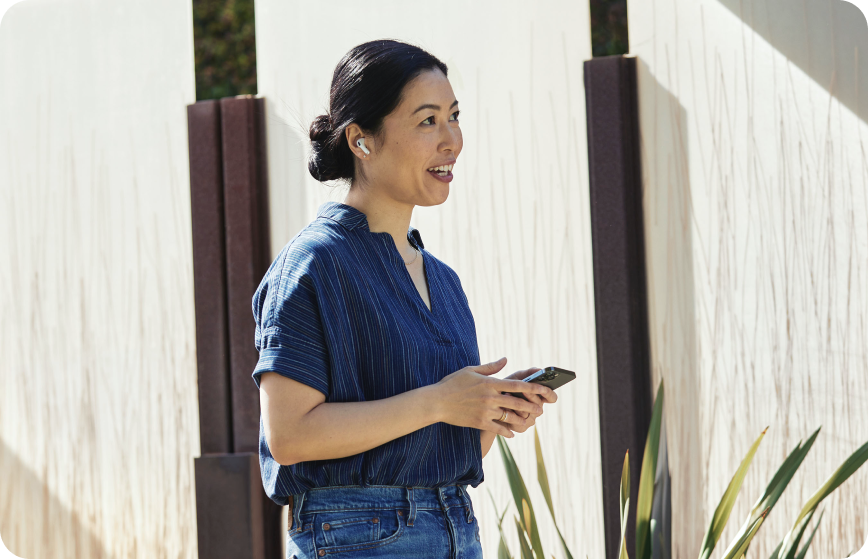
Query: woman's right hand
[{"x": 470, "y": 398}]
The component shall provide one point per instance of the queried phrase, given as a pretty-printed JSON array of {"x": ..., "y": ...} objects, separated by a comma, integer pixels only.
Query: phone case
[{"x": 553, "y": 377}]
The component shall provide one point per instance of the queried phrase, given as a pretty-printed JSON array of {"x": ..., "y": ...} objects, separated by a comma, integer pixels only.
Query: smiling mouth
[{"x": 443, "y": 170}]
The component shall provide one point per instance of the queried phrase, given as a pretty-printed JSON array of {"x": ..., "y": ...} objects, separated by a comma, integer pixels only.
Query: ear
[{"x": 353, "y": 134}]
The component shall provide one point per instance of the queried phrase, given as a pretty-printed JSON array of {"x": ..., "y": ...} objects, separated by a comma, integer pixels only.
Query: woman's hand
[
  {"x": 471, "y": 398},
  {"x": 521, "y": 421}
]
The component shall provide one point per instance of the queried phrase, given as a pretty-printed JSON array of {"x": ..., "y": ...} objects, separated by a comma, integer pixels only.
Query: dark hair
[{"x": 366, "y": 87}]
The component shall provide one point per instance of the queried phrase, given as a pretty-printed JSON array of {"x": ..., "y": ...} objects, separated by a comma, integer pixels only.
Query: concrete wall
[
  {"x": 753, "y": 122},
  {"x": 516, "y": 224},
  {"x": 98, "y": 398}
]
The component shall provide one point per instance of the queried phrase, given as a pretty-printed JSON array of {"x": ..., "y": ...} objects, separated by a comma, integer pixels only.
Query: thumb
[{"x": 490, "y": 368}]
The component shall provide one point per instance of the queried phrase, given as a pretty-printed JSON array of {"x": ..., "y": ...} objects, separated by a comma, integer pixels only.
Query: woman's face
[{"x": 421, "y": 133}]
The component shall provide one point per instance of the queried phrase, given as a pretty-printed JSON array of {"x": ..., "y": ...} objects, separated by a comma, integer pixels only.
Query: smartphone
[{"x": 553, "y": 377}]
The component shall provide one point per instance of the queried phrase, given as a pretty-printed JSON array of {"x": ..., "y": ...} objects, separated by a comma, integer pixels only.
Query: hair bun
[
  {"x": 322, "y": 164},
  {"x": 321, "y": 129}
]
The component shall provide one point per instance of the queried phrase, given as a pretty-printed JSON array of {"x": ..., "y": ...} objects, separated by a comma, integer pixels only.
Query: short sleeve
[{"x": 289, "y": 335}]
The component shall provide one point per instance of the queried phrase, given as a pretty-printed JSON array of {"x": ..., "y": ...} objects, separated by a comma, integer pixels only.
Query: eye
[{"x": 455, "y": 114}]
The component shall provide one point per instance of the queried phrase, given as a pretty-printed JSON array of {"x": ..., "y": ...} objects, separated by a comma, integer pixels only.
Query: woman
[{"x": 375, "y": 410}]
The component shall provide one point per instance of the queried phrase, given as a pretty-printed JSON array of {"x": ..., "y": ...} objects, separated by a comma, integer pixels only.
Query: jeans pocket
[{"x": 354, "y": 530}]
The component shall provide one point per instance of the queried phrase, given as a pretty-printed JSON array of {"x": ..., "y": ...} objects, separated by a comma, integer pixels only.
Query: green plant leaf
[
  {"x": 625, "y": 505},
  {"x": 739, "y": 546},
  {"x": 848, "y": 468},
  {"x": 543, "y": 478},
  {"x": 792, "y": 553},
  {"x": 623, "y": 554},
  {"x": 772, "y": 493},
  {"x": 502, "y": 548},
  {"x": 783, "y": 476},
  {"x": 724, "y": 508},
  {"x": 801, "y": 554},
  {"x": 520, "y": 494},
  {"x": 541, "y": 474},
  {"x": 526, "y": 552},
  {"x": 625, "y": 485},
  {"x": 645, "y": 496}
]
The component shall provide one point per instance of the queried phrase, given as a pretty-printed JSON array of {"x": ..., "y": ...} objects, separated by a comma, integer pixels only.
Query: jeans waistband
[{"x": 372, "y": 497}]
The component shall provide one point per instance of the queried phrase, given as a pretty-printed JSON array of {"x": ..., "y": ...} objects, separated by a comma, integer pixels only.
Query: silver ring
[{"x": 504, "y": 416}]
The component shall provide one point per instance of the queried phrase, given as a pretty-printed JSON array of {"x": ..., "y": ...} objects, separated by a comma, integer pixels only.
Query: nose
[{"x": 451, "y": 139}]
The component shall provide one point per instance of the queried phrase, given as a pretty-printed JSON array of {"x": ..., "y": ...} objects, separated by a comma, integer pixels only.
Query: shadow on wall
[
  {"x": 668, "y": 216},
  {"x": 24, "y": 491},
  {"x": 823, "y": 38}
]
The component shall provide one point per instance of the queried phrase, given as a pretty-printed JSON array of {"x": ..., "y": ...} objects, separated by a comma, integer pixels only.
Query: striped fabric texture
[{"x": 338, "y": 311}]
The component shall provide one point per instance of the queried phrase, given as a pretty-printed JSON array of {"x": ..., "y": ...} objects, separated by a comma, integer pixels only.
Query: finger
[
  {"x": 518, "y": 375},
  {"x": 517, "y": 404},
  {"x": 501, "y": 429},
  {"x": 518, "y": 424},
  {"x": 490, "y": 368},
  {"x": 526, "y": 388}
]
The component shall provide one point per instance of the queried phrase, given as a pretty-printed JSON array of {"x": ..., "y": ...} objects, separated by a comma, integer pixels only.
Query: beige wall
[
  {"x": 753, "y": 122},
  {"x": 98, "y": 398},
  {"x": 516, "y": 224}
]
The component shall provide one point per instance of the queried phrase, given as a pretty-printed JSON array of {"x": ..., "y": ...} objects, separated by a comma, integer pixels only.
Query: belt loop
[
  {"x": 468, "y": 506},
  {"x": 412, "y": 506},
  {"x": 296, "y": 511}
]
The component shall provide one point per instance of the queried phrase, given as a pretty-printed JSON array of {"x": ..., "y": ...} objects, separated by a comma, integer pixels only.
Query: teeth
[{"x": 441, "y": 168}]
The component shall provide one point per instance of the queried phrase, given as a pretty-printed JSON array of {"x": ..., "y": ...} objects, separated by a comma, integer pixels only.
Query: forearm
[
  {"x": 486, "y": 439},
  {"x": 340, "y": 429}
]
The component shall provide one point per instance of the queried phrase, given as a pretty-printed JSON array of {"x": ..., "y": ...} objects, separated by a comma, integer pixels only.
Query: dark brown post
[
  {"x": 247, "y": 252},
  {"x": 620, "y": 296},
  {"x": 209, "y": 276},
  {"x": 231, "y": 252}
]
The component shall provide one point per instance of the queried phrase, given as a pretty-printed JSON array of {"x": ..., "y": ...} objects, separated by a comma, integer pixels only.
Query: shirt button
[{"x": 326, "y": 526}]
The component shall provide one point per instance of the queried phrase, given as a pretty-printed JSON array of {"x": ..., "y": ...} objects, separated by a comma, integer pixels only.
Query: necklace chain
[{"x": 414, "y": 258}]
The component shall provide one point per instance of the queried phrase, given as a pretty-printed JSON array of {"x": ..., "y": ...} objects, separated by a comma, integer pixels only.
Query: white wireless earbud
[{"x": 361, "y": 144}]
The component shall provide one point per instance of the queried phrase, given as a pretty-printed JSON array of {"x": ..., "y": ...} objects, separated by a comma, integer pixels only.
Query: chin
[{"x": 438, "y": 196}]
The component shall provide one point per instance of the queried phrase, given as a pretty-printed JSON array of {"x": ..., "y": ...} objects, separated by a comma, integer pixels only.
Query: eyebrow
[{"x": 435, "y": 107}]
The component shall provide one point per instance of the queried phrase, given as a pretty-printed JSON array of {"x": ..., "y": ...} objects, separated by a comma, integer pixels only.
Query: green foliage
[
  {"x": 224, "y": 46},
  {"x": 526, "y": 523},
  {"x": 645, "y": 497},
  {"x": 609, "y": 27},
  {"x": 527, "y": 519},
  {"x": 625, "y": 505},
  {"x": 724, "y": 508}
]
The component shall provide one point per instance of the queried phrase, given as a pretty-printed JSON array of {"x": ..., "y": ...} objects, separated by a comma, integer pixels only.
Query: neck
[{"x": 384, "y": 215}]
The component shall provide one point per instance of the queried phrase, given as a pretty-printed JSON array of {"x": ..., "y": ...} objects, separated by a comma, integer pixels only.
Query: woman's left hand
[{"x": 519, "y": 421}]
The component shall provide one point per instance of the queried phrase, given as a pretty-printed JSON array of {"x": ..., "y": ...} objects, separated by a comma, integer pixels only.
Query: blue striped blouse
[{"x": 338, "y": 311}]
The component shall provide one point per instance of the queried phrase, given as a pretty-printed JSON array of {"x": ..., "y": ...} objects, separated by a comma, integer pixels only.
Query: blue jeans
[{"x": 383, "y": 521}]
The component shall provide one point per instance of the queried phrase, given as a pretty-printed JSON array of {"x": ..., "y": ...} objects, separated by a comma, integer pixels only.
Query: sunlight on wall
[
  {"x": 98, "y": 394},
  {"x": 755, "y": 174}
]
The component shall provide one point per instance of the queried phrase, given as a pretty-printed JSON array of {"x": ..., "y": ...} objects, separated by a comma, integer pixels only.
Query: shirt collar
[{"x": 351, "y": 217}]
